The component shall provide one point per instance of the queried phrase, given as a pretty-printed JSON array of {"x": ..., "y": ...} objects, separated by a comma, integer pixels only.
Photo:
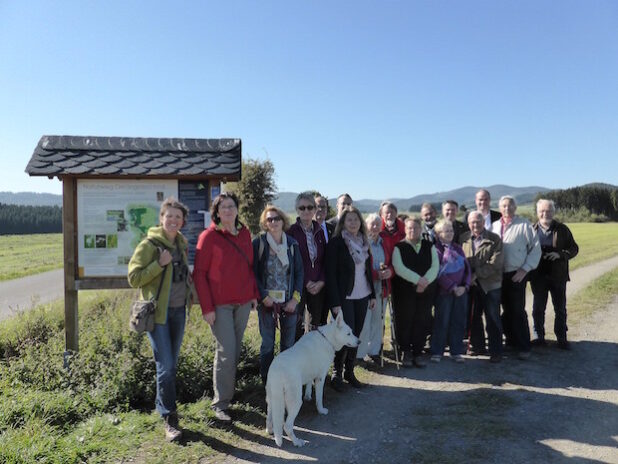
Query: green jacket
[{"x": 145, "y": 272}]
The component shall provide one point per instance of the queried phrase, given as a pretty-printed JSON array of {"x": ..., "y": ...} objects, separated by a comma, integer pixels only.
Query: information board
[{"x": 112, "y": 218}]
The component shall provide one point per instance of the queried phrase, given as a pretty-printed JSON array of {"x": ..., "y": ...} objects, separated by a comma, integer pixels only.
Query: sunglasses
[
  {"x": 308, "y": 207},
  {"x": 273, "y": 219}
]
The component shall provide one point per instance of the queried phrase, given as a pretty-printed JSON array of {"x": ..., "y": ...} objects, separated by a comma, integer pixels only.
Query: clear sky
[{"x": 381, "y": 99}]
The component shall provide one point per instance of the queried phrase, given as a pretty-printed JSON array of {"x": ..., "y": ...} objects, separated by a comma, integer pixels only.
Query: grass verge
[{"x": 23, "y": 255}]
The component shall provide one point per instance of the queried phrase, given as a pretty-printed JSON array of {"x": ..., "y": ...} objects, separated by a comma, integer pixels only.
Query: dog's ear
[{"x": 339, "y": 318}]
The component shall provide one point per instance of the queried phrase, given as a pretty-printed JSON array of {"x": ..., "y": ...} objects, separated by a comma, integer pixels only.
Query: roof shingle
[{"x": 144, "y": 157}]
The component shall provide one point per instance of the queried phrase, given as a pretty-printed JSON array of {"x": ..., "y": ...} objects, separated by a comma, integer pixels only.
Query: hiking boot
[
  {"x": 337, "y": 383},
  {"x": 222, "y": 415},
  {"x": 352, "y": 380},
  {"x": 406, "y": 360},
  {"x": 419, "y": 362},
  {"x": 478, "y": 351},
  {"x": 458, "y": 358},
  {"x": 436, "y": 358},
  {"x": 172, "y": 430},
  {"x": 539, "y": 342}
]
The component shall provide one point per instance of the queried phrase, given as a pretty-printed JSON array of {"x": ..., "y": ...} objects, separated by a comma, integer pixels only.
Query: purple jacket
[
  {"x": 312, "y": 271},
  {"x": 454, "y": 268}
]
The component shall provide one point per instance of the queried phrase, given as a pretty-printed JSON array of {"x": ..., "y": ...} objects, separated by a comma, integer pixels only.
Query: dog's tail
[{"x": 275, "y": 396}]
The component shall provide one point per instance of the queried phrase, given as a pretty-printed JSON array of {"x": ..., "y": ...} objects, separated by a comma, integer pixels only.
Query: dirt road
[
  {"x": 557, "y": 407},
  {"x": 25, "y": 293}
]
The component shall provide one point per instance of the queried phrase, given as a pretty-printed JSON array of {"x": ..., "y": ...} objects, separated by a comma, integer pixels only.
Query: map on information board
[{"x": 113, "y": 216}]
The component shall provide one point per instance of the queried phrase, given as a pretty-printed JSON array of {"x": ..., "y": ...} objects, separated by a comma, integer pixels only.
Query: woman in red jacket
[{"x": 226, "y": 287}]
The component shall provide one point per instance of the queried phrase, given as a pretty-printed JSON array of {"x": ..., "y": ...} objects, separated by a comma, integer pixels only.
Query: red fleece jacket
[{"x": 221, "y": 273}]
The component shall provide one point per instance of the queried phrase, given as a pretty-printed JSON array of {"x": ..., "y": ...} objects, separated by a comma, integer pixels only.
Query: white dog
[{"x": 304, "y": 363}]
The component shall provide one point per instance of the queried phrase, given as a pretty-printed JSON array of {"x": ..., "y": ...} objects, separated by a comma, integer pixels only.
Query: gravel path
[
  {"x": 557, "y": 407},
  {"x": 27, "y": 292}
]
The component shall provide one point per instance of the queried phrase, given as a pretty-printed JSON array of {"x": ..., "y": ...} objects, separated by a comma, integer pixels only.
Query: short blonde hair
[
  {"x": 284, "y": 217},
  {"x": 440, "y": 225}
]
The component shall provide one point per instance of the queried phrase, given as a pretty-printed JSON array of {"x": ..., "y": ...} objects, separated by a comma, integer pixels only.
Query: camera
[{"x": 180, "y": 272}]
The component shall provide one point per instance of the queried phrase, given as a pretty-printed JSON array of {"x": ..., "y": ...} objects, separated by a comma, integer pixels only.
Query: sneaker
[
  {"x": 458, "y": 358},
  {"x": 419, "y": 362},
  {"x": 539, "y": 342},
  {"x": 222, "y": 415},
  {"x": 436, "y": 358},
  {"x": 564, "y": 345},
  {"x": 495, "y": 358},
  {"x": 523, "y": 355},
  {"x": 352, "y": 380},
  {"x": 478, "y": 352},
  {"x": 172, "y": 430},
  {"x": 337, "y": 383}
]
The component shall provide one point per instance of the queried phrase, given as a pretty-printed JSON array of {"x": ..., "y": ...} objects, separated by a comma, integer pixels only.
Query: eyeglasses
[
  {"x": 308, "y": 208},
  {"x": 273, "y": 219}
]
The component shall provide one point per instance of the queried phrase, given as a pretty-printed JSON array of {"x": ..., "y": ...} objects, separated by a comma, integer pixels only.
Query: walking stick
[
  {"x": 393, "y": 336},
  {"x": 470, "y": 321}
]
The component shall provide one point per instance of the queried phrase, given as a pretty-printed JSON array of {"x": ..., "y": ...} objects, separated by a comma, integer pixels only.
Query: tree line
[
  {"x": 21, "y": 219},
  {"x": 601, "y": 203}
]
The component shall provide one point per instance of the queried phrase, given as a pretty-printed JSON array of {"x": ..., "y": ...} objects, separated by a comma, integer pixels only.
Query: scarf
[
  {"x": 357, "y": 246},
  {"x": 280, "y": 250}
]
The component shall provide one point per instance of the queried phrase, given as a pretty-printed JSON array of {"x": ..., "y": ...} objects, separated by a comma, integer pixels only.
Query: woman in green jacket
[{"x": 163, "y": 255}]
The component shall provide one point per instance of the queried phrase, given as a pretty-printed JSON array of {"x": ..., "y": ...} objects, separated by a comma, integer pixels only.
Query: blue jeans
[
  {"x": 165, "y": 340},
  {"x": 488, "y": 304},
  {"x": 449, "y": 323},
  {"x": 287, "y": 327}
]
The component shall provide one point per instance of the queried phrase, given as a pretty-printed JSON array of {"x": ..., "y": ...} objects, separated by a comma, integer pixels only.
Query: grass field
[
  {"x": 596, "y": 242},
  {"x": 23, "y": 255}
]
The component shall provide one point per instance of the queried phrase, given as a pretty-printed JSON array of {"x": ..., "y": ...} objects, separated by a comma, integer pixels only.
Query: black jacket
[
  {"x": 340, "y": 270},
  {"x": 562, "y": 242}
]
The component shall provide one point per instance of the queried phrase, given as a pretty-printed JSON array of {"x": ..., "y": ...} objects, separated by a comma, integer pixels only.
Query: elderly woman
[
  {"x": 226, "y": 287},
  {"x": 382, "y": 271},
  {"x": 349, "y": 284},
  {"x": 451, "y": 302},
  {"x": 312, "y": 244},
  {"x": 416, "y": 265},
  {"x": 160, "y": 262},
  {"x": 278, "y": 268}
]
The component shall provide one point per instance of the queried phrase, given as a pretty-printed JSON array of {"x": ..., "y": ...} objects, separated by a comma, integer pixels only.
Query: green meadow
[{"x": 22, "y": 255}]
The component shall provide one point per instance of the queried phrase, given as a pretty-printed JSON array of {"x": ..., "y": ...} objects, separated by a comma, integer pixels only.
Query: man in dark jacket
[{"x": 552, "y": 274}]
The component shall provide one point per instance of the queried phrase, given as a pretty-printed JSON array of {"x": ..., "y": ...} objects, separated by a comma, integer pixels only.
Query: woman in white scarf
[
  {"x": 279, "y": 274},
  {"x": 349, "y": 285}
]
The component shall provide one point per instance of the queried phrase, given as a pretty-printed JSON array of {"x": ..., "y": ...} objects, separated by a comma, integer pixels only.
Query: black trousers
[
  {"x": 313, "y": 309},
  {"x": 514, "y": 316},
  {"x": 354, "y": 312},
  {"x": 541, "y": 286},
  {"x": 413, "y": 320}
]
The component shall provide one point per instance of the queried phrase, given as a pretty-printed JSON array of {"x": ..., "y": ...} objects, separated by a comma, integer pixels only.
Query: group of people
[{"x": 440, "y": 278}]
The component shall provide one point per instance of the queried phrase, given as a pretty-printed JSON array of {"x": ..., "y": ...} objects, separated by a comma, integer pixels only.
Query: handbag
[{"x": 143, "y": 311}]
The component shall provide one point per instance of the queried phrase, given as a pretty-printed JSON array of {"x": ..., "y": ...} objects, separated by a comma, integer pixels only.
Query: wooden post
[{"x": 69, "y": 222}]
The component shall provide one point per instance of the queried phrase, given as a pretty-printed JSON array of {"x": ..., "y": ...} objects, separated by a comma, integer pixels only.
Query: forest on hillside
[{"x": 20, "y": 219}]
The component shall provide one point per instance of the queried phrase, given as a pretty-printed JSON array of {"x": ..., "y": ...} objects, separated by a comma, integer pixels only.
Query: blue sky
[{"x": 381, "y": 99}]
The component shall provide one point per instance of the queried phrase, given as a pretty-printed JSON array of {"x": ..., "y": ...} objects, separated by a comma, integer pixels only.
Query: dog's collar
[{"x": 329, "y": 342}]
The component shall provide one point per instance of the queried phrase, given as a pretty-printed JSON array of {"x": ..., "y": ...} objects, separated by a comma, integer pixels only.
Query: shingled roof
[{"x": 118, "y": 157}]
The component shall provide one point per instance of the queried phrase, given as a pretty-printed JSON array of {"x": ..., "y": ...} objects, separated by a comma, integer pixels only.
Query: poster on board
[{"x": 112, "y": 218}]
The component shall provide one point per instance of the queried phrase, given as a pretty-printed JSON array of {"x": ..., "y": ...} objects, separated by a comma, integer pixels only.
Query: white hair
[
  {"x": 551, "y": 203},
  {"x": 371, "y": 218}
]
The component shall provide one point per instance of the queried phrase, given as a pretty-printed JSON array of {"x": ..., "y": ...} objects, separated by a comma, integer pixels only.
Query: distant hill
[
  {"x": 463, "y": 195},
  {"x": 30, "y": 199}
]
